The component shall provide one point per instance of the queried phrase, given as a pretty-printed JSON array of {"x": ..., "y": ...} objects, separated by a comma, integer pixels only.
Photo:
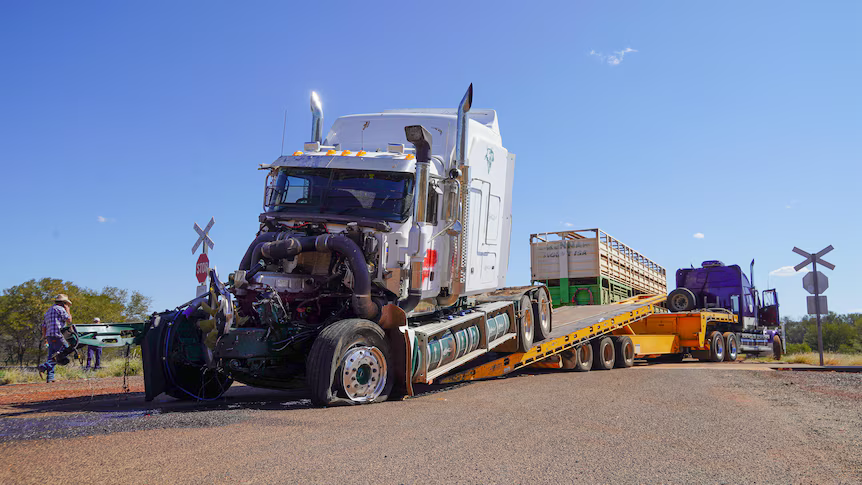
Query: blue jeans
[
  {"x": 94, "y": 353},
  {"x": 55, "y": 344}
]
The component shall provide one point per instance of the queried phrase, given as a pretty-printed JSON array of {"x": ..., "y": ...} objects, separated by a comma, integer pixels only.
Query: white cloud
[
  {"x": 103, "y": 219},
  {"x": 568, "y": 224},
  {"x": 786, "y": 271},
  {"x": 614, "y": 59},
  {"x": 698, "y": 235}
]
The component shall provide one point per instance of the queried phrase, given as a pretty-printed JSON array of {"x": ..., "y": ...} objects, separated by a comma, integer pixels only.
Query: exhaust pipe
[
  {"x": 461, "y": 143},
  {"x": 316, "y": 118},
  {"x": 459, "y": 173},
  {"x": 421, "y": 139}
]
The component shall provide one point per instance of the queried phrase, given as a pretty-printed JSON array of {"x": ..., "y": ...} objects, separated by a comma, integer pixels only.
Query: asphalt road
[{"x": 718, "y": 423}]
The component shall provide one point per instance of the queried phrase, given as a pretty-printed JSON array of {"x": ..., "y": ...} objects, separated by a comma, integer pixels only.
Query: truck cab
[{"x": 717, "y": 286}]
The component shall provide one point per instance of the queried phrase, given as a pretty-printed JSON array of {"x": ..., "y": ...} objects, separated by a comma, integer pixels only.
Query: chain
[{"x": 126, "y": 388}]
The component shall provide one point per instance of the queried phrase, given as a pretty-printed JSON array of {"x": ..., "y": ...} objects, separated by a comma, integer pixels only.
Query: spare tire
[{"x": 681, "y": 300}]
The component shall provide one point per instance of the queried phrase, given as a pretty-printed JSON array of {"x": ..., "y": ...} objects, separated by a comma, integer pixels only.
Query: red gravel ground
[{"x": 80, "y": 388}]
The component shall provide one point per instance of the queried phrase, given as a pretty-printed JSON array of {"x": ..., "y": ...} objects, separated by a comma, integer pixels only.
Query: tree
[{"x": 23, "y": 307}]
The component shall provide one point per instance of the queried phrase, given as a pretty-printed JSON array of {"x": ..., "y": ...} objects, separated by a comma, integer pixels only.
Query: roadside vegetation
[{"x": 110, "y": 368}]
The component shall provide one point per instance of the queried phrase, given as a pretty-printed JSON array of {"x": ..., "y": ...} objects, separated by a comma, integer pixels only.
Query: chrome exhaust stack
[
  {"x": 457, "y": 207},
  {"x": 421, "y": 139},
  {"x": 316, "y": 118},
  {"x": 461, "y": 142}
]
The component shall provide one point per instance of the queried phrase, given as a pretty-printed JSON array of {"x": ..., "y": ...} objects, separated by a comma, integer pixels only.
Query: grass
[
  {"x": 110, "y": 368},
  {"x": 813, "y": 358}
]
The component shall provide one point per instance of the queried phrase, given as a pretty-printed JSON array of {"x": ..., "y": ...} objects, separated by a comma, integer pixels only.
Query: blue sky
[{"x": 123, "y": 123}]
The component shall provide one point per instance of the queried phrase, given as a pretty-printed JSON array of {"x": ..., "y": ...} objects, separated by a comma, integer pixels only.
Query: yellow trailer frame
[{"x": 653, "y": 332}]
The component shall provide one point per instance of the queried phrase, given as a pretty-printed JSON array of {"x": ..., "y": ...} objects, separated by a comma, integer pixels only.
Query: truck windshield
[{"x": 384, "y": 196}]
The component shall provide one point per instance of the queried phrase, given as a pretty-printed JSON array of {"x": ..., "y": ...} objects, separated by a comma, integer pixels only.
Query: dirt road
[{"x": 651, "y": 424}]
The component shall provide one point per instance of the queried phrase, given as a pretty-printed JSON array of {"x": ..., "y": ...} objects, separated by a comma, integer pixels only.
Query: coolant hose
[
  {"x": 361, "y": 301},
  {"x": 247, "y": 260}
]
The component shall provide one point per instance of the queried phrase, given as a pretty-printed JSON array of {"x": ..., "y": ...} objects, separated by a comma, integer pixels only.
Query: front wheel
[{"x": 349, "y": 363}]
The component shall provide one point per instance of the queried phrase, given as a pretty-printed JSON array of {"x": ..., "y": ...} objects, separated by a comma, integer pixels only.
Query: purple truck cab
[{"x": 715, "y": 285}]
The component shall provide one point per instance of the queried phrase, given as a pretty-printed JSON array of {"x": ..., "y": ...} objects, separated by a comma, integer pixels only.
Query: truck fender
[
  {"x": 393, "y": 320},
  {"x": 152, "y": 352}
]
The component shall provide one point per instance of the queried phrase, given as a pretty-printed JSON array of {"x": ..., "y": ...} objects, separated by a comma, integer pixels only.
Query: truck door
[{"x": 768, "y": 315}]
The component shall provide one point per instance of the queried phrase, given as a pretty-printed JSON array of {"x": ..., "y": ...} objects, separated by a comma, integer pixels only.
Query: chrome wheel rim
[{"x": 363, "y": 374}]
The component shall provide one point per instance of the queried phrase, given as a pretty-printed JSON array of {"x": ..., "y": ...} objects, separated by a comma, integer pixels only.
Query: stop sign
[{"x": 202, "y": 268}]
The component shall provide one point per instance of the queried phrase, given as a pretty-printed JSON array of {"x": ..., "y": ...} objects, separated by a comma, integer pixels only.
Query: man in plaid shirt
[{"x": 52, "y": 324}]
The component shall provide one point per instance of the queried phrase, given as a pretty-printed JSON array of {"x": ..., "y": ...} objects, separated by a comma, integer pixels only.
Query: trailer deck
[{"x": 573, "y": 325}]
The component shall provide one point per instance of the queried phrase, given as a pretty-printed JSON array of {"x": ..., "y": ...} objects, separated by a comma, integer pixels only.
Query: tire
[
  {"x": 625, "y": 351},
  {"x": 604, "y": 355},
  {"x": 716, "y": 346},
  {"x": 731, "y": 346},
  {"x": 526, "y": 324},
  {"x": 188, "y": 379},
  {"x": 777, "y": 350},
  {"x": 349, "y": 363},
  {"x": 681, "y": 300},
  {"x": 583, "y": 357},
  {"x": 543, "y": 315}
]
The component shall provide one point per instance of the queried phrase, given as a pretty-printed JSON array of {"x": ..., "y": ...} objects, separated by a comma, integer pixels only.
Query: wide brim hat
[{"x": 61, "y": 298}]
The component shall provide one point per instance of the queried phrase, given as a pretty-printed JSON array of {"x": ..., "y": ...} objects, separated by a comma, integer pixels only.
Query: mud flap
[
  {"x": 152, "y": 353},
  {"x": 393, "y": 320}
]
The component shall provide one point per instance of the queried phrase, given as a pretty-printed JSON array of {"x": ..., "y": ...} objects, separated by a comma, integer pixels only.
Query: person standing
[
  {"x": 52, "y": 324},
  {"x": 94, "y": 353}
]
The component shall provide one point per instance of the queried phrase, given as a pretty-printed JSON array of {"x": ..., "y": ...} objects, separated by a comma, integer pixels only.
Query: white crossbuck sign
[
  {"x": 203, "y": 236},
  {"x": 813, "y": 258}
]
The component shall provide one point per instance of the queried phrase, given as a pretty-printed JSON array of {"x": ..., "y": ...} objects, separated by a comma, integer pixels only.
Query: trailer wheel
[
  {"x": 731, "y": 346},
  {"x": 349, "y": 363},
  {"x": 526, "y": 324},
  {"x": 681, "y": 300},
  {"x": 777, "y": 349},
  {"x": 603, "y": 353},
  {"x": 625, "y": 351},
  {"x": 583, "y": 357},
  {"x": 716, "y": 346},
  {"x": 542, "y": 313}
]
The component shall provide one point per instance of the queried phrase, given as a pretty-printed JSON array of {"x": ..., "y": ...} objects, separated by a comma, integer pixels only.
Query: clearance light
[
  {"x": 330, "y": 152},
  {"x": 410, "y": 156},
  {"x": 361, "y": 153},
  {"x": 296, "y": 154},
  {"x": 345, "y": 153}
]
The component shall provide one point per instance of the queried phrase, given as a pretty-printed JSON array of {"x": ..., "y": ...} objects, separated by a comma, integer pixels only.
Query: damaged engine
[{"x": 289, "y": 286}]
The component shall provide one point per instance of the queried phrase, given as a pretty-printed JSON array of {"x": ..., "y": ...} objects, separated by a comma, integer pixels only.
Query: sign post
[
  {"x": 203, "y": 264},
  {"x": 815, "y": 282}
]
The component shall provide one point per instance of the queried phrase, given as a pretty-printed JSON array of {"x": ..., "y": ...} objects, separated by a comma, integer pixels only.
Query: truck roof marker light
[
  {"x": 330, "y": 152},
  {"x": 296, "y": 154},
  {"x": 345, "y": 153},
  {"x": 410, "y": 156},
  {"x": 361, "y": 153}
]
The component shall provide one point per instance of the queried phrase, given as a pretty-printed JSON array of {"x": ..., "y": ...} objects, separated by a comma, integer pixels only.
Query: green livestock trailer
[{"x": 590, "y": 267}]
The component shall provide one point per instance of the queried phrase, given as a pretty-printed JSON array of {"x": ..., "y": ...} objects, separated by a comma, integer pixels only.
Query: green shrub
[{"x": 798, "y": 348}]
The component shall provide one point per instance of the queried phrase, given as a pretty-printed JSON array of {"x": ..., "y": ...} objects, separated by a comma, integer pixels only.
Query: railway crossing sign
[
  {"x": 202, "y": 266},
  {"x": 815, "y": 282},
  {"x": 203, "y": 236},
  {"x": 813, "y": 258}
]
